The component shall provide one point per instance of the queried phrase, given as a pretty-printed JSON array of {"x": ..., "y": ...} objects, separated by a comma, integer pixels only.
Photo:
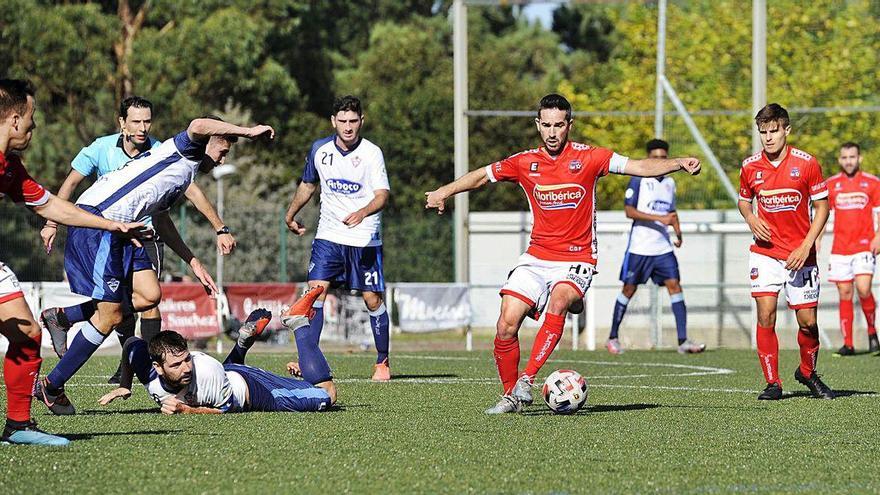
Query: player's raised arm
[
  {"x": 655, "y": 167},
  {"x": 203, "y": 128},
  {"x": 474, "y": 179},
  {"x": 225, "y": 239},
  {"x": 65, "y": 213}
]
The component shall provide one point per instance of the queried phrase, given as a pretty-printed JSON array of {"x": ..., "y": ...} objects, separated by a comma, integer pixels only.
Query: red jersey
[
  {"x": 783, "y": 193},
  {"x": 562, "y": 196},
  {"x": 854, "y": 201},
  {"x": 16, "y": 183}
]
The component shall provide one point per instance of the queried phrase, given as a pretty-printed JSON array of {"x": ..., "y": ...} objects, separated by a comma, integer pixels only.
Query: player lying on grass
[{"x": 187, "y": 382}]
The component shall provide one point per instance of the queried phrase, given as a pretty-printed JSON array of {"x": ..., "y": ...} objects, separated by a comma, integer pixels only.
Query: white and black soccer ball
[{"x": 565, "y": 391}]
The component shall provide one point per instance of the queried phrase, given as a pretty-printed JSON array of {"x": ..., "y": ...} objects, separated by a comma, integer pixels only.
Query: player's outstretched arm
[
  {"x": 67, "y": 188},
  {"x": 799, "y": 256},
  {"x": 173, "y": 405},
  {"x": 66, "y": 213},
  {"x": 169, "y": 234},
  {"x": 474, "y": 179},
  {"x": 655, "y": 167},
  {"x": 195, "y": 195},
  {"x": 301, "y": 197},
  {"x": 202, "y": 129}
]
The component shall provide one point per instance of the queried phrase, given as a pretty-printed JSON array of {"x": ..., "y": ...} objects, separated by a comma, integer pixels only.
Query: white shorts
[
  {"x": 769, "y": 276},
  {"x": 845, "y": 267},
  {"x": 532, "y": 279},
  {"x": 9, "y": 287}
]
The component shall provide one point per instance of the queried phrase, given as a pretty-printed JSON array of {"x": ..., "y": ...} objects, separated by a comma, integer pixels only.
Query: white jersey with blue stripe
[
  {"x": 655, "y": 196},
  {"x": 148, "y": 184},
  {"x": 348, "y": 180},
  {"x": 211, "y": 386}
]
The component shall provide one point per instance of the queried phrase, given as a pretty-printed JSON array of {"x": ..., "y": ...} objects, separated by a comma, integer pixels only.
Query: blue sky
[{"x": 542, "y": 12}]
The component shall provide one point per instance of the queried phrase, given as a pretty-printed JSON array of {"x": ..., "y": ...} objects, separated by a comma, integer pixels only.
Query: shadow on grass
[
  {"x": 602, "y": 408},
  {"x": 837, "y": 393},
  {"x": 103, "y": 412},
  {"x": 89, "y": 436}
]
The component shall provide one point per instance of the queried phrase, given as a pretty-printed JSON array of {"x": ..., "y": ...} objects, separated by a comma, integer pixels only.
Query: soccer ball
[{"x": 565, "y": 391}]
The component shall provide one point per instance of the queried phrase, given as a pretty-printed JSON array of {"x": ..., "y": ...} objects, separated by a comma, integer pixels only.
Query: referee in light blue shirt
[
  {"x": 105, "y": 155},
  {"x": 650, "y": 203}
]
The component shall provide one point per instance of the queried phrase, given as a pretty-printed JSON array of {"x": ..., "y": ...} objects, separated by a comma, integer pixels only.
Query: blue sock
[
  {"x": 619, "y": 311},
  {"x": 316, "y": 324},
  {"x": 379, "y": 323},
  {"x": 680, "y": 312},
  {"x": 236, "y": 355},
  {"x": 81, "y": 349},
  {"x": 312, "y": 362},
  {"x": 79, "y": 312},
  {"x": 139, "y": 358}
]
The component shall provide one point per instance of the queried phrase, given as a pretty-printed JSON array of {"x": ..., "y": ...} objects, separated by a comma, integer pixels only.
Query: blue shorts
[
  {"x": 349, "y": 267},
  {"x": 272, "y": 393},
  {"x": 100, "y": 264},
  {"x": 637, "y": 268}
]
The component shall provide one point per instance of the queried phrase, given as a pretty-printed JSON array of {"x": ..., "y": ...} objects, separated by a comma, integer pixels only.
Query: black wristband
[{"x": 223, "y": 230}]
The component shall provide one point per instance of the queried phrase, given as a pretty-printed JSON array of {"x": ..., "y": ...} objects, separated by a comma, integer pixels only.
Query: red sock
[
  {"x": 20, "y": 368},
  {"x": 768, "y": 353},
  {"x": 507, "y": 361},
  {"x": 846, "y": 321},
  {"x": 869, "y": 307},
  {"x": 808, "y": 341},
  {"x": 545, "y": 341}
]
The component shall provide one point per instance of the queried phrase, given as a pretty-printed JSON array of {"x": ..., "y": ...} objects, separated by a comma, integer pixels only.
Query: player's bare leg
[
  {"x": 676, "y": 296},
  {"x": 869, "y": 308},
  {"x": 808, "y": 341},
  {"x": 768, "y": 347},
  {"x": 381, "y": 326},
  {"x": 626, "y": 293},
  {"x": 506, "y": 351},
  {"x": 21, "y": 365}
]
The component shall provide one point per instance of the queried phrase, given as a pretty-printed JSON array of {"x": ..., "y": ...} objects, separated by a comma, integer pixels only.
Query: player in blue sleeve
[
  {"x": 118, "y": 277},
  {"x": 347, "y": 250},
  {"x": 650, "y": 203},
  {"x": 107, "y": 154},
  {"x": 187, "y": 382}
]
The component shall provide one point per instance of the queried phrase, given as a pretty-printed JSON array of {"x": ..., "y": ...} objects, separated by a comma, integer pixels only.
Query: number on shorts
[{"x": 371, "y": 278}]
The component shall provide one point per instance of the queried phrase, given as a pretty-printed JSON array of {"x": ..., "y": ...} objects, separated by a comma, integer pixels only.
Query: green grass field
[{"x": 656, "y": 422}]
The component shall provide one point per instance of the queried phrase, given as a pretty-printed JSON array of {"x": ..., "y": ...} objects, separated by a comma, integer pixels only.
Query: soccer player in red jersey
[
  {"x": 559, "y": 180},
  {"x": 21, "y": 365},
  {"x": 783, "y": 181},
  {"x": 854, "y": 197}
]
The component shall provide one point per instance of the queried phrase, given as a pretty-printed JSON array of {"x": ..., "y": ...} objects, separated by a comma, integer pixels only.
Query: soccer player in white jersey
[
  {"x": 118, "y": 277},
  {"x": 104, "y": 155},
  {"x": 650, "y": 203},
  {"x": 347, "y": 250},
  {"x": 184, "y": 382}
]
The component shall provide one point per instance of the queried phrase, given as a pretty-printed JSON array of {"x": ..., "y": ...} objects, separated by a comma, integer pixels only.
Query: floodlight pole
[
  {"x": 460, "y": 106},
  {"x": 661, "y": 69},
  {"x": 759, "y": 63}
]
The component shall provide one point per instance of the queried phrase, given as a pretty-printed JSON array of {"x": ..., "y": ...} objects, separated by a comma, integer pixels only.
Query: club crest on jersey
[
  {"x": 575, "y": 166},
  {"x": 343, "y": 186},
  {"x": 559, "y": 196},
  {"x": 795, "y": 173},
  {"x": 776, "y": 200},
  {"x": 356, "y": 161},
  {"x": 851, "y": 201},
  {"x": 754, "y": 274}
]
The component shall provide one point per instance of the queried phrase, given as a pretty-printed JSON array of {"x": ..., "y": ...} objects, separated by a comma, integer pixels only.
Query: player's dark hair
[
  {"x": 656, "y": 144},
  {"x": 852, "y": 144},
  {"x": 347, "y": 103},
  {"x": 556, "y": 101},
  {"x": 772, "y": 113},
  {"x": 166, "y": 342},
  {"x": 13, "y": 96},
  {"x": 133, "y": 101}
]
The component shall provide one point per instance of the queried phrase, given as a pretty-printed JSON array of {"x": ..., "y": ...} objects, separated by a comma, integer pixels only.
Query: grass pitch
[{"x": 656, "y": 422}]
